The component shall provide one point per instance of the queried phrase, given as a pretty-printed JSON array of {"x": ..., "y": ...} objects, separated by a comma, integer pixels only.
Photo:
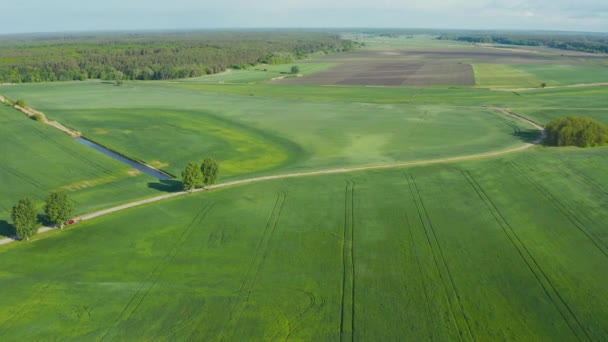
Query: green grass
[
  {"x": 512, "y": 248},
  {"x": 505, "y": 76},
  {"x": 513, "y": 76},
  {"x": 37, "y": 159},
  {"x": 567, "y": 74},
  {"x": 261, "y": 73},
  {"x": 518, "y": 254},
  {"x": 261, "y": 135}
]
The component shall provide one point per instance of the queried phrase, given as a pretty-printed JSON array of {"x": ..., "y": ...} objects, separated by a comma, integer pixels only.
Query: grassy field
[
  {"x": 517, "y": 255},
  {"x": 258, "y": 135},
  {"x": 531, "y": 76},
  {"x": 508, "y": 248},
  {"x": 261, "y": 73},
  {"x": 37, "y": 159}
]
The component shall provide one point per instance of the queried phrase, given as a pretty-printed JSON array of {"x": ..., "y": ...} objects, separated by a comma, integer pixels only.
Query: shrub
[
  {"x": 576, "y": 131},
  {"x": 21, "y": 103},
  {"x": 37, "y": 117}
]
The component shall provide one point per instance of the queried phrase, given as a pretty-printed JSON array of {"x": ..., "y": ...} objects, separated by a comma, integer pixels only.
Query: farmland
[
  {"x": 258, "y": 135},
  {"x": 510, "y": 246},
  {"x": 367, "y": 252},
  {"x": 37, "y": 159},
  {"x": 422, "y": 62}
]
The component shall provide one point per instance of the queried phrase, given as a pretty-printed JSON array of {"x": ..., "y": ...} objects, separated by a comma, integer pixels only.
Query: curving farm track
[{"x": 503, "y": 111}]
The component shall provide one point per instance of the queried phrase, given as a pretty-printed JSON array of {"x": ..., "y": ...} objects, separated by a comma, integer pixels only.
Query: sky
[{"x": 107, "y": 15}]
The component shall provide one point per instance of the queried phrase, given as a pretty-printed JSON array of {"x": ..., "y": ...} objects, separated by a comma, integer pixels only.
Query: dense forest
[
  {"x": 576, "y": 131},
  {"x": 153, "y": 56},
  {"x": 587, "y": 42}
]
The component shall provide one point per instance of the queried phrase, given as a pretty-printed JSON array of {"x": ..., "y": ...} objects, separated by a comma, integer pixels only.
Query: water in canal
[{"x": 138, "y": 166}]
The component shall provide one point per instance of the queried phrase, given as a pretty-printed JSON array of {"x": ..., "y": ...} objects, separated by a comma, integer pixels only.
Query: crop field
[
  {"x": 503, "y": 247},
  {"x": 423, "y": 62},
  {"x": 258, "y": 135},
  {"x": 517, "y": 255},
  {"x": 391, "y": 73},
  {"x": 261, "y": 73},
  {"x": 37, "y": 159}
]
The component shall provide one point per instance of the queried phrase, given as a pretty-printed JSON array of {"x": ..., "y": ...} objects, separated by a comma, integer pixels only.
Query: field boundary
[
  {"x": 138, "y": 203},
  {"x": 30, "y": 113}
]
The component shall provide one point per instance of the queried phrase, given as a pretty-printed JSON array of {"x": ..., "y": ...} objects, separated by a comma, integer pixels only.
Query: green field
[
  {"x": 510, "y": 247},
  {"x": 37, "y": 159},
  {"x": 260, "y": 73},
  {"x": 531, "y": 76},
  {"x": 256, "y": 135},
  {"x": 515, "y": 255}
]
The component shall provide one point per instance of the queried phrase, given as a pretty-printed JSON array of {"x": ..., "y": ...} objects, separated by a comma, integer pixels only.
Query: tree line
[
  {"x": 153, "y": 56},
  {"x": 576, "y": 131},
  {"x": 594, "y": 43}
]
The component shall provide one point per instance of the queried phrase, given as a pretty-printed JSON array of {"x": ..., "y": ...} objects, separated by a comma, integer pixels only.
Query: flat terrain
[
  {"x": 262, "y": 135},
  {"x": 423, "y": 62},
  {"x": 503, "y": 247},
  {"x": 517, "y": 254}
]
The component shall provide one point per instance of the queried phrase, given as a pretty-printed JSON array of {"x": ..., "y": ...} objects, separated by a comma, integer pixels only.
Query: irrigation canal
[{"x": 132, "y": 163}]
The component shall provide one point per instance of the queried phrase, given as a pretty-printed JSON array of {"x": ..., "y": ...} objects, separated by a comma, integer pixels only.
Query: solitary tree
[
  {"x": 24, "y": 218},
  {"x": 295, "y": 69},
  {"x": 118, "y": 76},
  {"x": 192, "y": 177},
  {"x": 58, "y": 208},
  {"x": 542, "y": 85},
  {"x": 210, "y": 169}
]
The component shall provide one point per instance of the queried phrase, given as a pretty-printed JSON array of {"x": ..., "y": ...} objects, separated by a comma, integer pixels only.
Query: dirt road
[{"x": 503, "y": 111}]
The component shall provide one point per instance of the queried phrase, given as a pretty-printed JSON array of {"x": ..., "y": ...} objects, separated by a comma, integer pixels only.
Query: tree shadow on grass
[
  {"x": 44, "y": 220},
  {"x": 170, "y": 185},
  {"x": 7, "y": 229},
  {"x": 527, "y": 135}
]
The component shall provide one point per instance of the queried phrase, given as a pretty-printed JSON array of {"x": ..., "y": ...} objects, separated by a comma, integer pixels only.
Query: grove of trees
[
  {"x": 196, "y": 175},
  {"x": 153, "y": 56},
  {"x": 576, "y": 131},
  {"x": 58, "y": 209}
]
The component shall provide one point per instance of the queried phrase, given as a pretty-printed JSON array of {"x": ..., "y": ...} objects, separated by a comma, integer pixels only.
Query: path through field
[{"x": 503, "y": 111}]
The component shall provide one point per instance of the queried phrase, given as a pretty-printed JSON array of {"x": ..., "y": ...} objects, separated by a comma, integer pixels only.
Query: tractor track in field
[
  {"x": 570, "y": 216},
  {"x": 248, "y": 283},
  {"x": 347, "y": 307},
  {"x": 297, "y": 320},
  {"x": 420, "y": 269},
  {"x": 461, "y": 321},
  {"x": 140, "y": 295},
  {"x": 585, "y": 179},
  {"x": 544, "y": 281},
  {"x": 503, "y": 111}
]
